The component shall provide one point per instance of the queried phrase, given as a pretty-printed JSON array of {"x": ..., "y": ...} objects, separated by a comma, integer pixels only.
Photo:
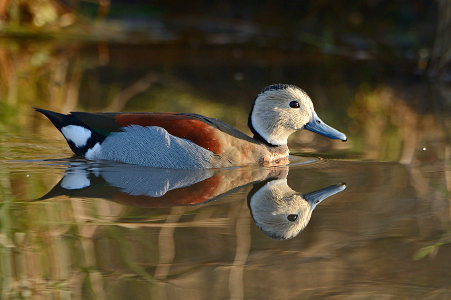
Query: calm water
[{"x": 370, "y": 218}]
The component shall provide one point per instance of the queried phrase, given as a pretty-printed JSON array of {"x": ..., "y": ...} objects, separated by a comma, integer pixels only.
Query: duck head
[
  {"x": 281, "y": 109},
  {"x": 281, "y": 212}
]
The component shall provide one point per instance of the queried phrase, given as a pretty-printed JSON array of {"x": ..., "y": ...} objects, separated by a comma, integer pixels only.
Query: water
[{"x": 76, "y": 229}]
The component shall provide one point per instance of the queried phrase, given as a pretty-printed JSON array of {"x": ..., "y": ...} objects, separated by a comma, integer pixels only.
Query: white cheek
[
  {"x": 273, "y": 133},
  {"x": 77, "y": 134},
  {"x": 258, "y": 126},
  {"x": 304, "y": 116}
]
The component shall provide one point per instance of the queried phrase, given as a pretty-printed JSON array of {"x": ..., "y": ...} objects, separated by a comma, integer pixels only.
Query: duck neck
[
  {"x": 270, "y": 133},
  {"x": 275, "y": 155},
  {"x": 281, "y": 150}
]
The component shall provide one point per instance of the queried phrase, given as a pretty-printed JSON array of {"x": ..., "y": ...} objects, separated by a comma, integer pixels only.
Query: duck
[{"x": 192, "y": 141}]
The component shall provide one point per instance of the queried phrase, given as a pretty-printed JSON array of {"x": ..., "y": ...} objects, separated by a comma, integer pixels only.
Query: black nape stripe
[{"x": 257, "y": 135}]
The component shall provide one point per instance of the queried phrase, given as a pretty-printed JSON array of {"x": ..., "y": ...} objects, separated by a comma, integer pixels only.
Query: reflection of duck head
[{"x": 281, "y": 212}]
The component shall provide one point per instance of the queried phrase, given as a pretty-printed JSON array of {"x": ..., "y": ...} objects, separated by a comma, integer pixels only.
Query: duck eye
[
  {"x": 294, "y": 104},
  {"x": 292, "y": 218}
]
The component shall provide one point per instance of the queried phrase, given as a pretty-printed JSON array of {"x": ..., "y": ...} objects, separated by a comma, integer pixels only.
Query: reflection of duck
[
  {"x": 151, "y": 187},
  {"x": 278, "y": 211},
  {"x": 190, "y": 141},
  {"x": 282, "y": 213}
]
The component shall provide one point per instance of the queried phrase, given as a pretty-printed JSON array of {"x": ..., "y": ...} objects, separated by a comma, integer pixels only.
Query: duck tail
[
  {"x": 59, "y": 120},
  {"x": 80, "y": 137}
]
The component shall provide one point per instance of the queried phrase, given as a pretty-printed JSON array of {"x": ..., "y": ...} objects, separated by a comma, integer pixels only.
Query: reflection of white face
[
  {"x": 275, "y": 119},
  {"x": 279, "y": 211}
]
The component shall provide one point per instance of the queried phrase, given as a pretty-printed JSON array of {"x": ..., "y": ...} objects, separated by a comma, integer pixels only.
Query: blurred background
[
  {"x": 377, "y": 70},
  {"x": 374, "y": 69}
]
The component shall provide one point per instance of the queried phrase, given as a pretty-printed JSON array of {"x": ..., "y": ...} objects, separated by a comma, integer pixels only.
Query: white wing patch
[
  {"x": 77, "y": 134},
  {"x": 93, "y": 152}
]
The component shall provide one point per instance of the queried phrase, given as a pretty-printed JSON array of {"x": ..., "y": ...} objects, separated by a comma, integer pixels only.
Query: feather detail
[
  {"x": 179, "y": 125},
  {"x": 192, "y": 127},
  {"x": 80, "y": 137}
]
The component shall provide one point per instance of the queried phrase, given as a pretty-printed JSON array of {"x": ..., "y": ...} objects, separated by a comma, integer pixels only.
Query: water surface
[{"x": 77, "y": 229}]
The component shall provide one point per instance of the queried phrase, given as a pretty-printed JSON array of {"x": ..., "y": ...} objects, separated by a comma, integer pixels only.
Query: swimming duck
[{"x": 191, "y": 141}]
